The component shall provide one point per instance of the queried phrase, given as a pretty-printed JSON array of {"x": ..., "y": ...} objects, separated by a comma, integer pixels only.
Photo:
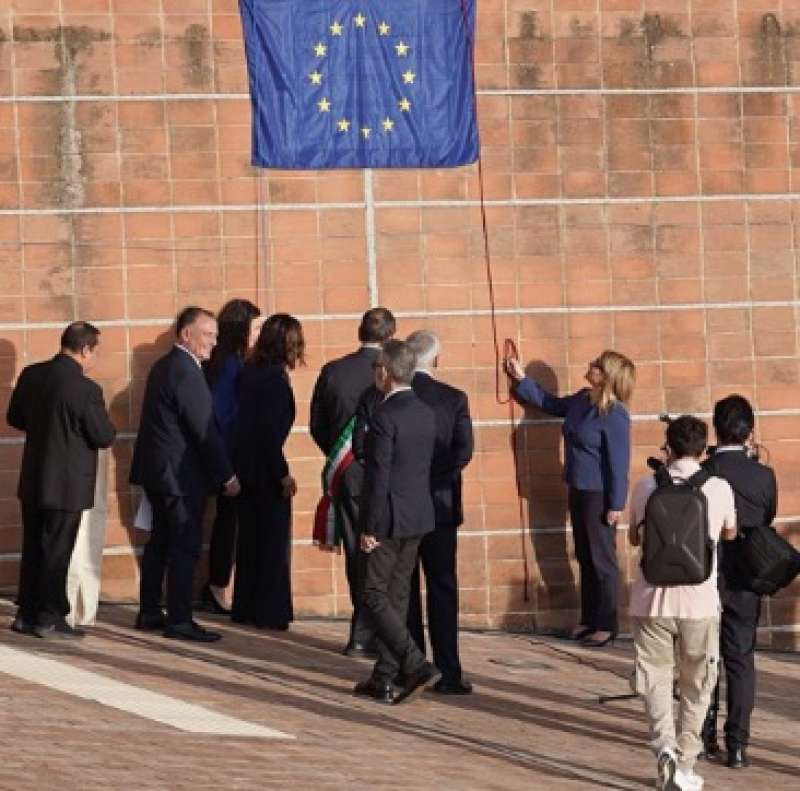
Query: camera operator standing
[{"x": 755, "y": 494}]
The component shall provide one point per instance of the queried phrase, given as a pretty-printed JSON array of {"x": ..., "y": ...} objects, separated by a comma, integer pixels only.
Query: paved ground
[{"x": 534, "y": 722}]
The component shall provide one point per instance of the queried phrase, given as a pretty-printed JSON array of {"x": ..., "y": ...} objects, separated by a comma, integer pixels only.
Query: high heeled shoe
[
  {"x": 593, "y": 642},
  {"x": 579, "y": 632},
  {"x": 212, "y": 603}
]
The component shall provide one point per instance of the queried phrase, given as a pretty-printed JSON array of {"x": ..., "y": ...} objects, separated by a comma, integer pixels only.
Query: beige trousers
[{"x": 690, "y": 646}]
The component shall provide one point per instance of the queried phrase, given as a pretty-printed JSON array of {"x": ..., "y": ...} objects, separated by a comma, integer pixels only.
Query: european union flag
[{"x": 361, "y": 83}]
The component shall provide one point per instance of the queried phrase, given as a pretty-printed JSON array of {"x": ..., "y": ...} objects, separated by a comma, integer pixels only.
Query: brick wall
[{"x": 639, "y": 168}]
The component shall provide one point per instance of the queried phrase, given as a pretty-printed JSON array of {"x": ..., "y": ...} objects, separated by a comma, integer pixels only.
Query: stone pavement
[{"x": 534, "y": 721}]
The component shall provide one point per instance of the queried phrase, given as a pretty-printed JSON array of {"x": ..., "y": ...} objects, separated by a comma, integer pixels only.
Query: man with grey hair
[
  {"x": 437, "y": 550},
  {"x": 396, "y": 511}
]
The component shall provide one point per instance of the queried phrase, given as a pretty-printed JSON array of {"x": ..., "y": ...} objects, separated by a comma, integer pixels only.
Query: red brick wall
[{"x": 638, "y": 164}]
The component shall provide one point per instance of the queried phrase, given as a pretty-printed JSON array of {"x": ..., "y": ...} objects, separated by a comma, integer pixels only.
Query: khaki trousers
[{"x": 690, "y": 646}]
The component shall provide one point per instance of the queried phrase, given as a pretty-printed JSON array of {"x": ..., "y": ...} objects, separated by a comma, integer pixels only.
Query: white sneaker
[
  {"x": 667, "y": 768},
  {"x": 687, "y": 781}
]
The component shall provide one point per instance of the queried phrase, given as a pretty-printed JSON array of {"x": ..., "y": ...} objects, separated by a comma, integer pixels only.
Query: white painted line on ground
[{"x": 125, "y": 697}]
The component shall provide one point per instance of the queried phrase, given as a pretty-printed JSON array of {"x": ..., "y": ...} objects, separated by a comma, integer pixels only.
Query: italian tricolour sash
[{"x": 327, "y": 521}]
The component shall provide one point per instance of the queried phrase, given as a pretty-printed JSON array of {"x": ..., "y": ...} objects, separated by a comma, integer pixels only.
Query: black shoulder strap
[
  {"x": 662, "y": 476},
  {"x": 697, "y": 480}
]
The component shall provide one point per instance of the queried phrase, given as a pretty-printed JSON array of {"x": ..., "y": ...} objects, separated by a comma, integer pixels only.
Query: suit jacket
[
  {"x": 755, "y": 493},
  {"x": 396, "y": 498},
  {"x": 64, "y": 418},
  {"x": 265, "y": 417},
  {"x": 336, "y": 393},
  {"x": 453, "y": 448},
  {"x": 179, "y": 450}
]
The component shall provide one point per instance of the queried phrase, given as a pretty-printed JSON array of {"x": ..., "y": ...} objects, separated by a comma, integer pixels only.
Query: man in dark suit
[
  {"x": 179, "y": 459},
  {"x": 396, "y": 512},
  {"x": 437, "y": 550},
  {"x": 64, "y": 418},
  {"x": 756, "y": 496},
  {"x": 336, "y": 394}
]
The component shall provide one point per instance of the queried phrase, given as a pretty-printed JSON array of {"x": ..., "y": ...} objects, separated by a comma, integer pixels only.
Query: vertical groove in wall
[{"x": 372, "y": 254}]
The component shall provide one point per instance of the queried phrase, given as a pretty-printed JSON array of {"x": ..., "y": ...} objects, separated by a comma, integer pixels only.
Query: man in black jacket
[
  {"x": 756, "y": 496},
  {"x": 64, "y": 418},
  {"x": 179, "y": 459},
  {"x": 396, "y": 512},
  {"x": 452, "y": 452},
  {"x": 333, "y": 403}
]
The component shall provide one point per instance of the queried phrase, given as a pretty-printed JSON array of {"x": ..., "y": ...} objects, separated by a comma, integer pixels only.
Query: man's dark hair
[
  {"x": 233, "y": 323},
  {"x": 78, "y": 335},
  {"x": 280, "y": 341},
  {"x": 687, "y": 436},
  {"x": 733, "y": 420},
  {"x": 399, "y": 360},
  {"x": 189, "y": 316},
  {"x": 377, "y": 326}
]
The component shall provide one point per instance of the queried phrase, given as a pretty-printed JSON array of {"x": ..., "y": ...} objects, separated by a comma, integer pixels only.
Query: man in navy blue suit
[{"x": 179, "y": 459}]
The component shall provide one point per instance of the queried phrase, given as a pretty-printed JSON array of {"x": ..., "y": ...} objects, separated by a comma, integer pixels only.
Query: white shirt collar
[
  {"x": 728, "y": 448},
  {"x": 371, "y": 346},
  {"x": 399, "y": 389},
  {"x": 684, "y": 468},
  {"x": 184, "y": 349}
]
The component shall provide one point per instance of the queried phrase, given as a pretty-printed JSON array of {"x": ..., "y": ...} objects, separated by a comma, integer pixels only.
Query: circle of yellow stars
[{"x": 316, "y": 77}]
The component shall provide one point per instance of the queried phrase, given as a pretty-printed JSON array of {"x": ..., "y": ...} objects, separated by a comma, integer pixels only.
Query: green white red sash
[{"x": 327, "y": 520}]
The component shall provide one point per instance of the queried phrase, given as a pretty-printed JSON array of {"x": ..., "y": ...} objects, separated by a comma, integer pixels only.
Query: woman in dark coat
[
  {"x": 236, "y": 324},
  {"x": 262, "y": 593}
]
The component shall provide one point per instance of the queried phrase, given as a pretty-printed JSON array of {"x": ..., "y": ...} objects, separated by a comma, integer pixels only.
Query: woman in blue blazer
[
  {"x": 237, "y": 331},
  {"x": 262, "y": 593},
  {"x": 597, "y": 449}
]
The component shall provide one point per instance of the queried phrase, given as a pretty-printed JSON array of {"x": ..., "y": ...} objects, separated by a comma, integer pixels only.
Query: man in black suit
[
  {"x": 64, "y": 418},
  {"x": 756, "y": 496},
  {"x": 179, "y": 459},
  {"x": 437, "y": 550},
  {"x": 336, "y": 394},
  {"x": 396, "y": 512}
]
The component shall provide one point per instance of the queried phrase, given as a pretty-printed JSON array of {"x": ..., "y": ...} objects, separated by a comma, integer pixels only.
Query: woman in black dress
[{"x": 262, "y": 593}]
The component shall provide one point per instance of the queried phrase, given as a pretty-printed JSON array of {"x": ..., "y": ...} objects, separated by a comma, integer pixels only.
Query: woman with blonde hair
[{"x": 597, "y": 449}]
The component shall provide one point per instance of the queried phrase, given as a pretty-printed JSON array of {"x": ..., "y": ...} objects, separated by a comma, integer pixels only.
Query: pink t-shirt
[{"x": 682, "y": 601}]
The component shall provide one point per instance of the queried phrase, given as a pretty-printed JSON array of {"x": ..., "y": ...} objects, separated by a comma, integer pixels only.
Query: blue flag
[{"x": 361, "y": 83}]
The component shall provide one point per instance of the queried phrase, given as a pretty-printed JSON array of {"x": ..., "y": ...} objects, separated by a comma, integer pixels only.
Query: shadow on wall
[
  {"x": 10, "y": 455},
  {"x": 126, "y": 409},
  {"x": 552, "y": 590}
]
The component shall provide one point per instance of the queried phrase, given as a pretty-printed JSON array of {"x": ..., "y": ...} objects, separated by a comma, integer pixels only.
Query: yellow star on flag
[
  {"x": 404, "y": 105},
  {"x": 320, "y": 49},
  {"x": 388, "y": 124},
  {"x": 366, "y": 131},
  {"x": 315, "y": 77},
  {"x": 343, "y": 125},
  {"x": 408, "y": 77},
  {"x": 383, "y": 29},
  {"x": 402, "y": 49},
  {"x": 360, "y": 20},
  {"x": 336, "y": 29},
  {"x": 324, "y": 105}
]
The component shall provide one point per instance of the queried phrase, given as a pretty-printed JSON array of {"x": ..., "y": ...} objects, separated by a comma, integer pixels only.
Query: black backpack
[
  {"x": 676, "y": 545},
  {"x": 766, "y": 560}
]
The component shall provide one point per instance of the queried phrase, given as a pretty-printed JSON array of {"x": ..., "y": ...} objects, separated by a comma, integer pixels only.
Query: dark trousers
[
  {"x": 437, "y": 554},
  {"x": 361, "y": 629},
  {"x": 174, "y": 548},
  {"x": 48, "y": 538},
  {"x": 223, "y": 542},
  {"x": 262, "y": 590},
  {"x": 387, "y": 579},
  {"x": 740, "y": 613},
  {"x": 596, "y": 551}
]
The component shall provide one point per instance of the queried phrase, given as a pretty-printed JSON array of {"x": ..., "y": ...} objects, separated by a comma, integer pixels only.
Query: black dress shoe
[
  {"x": 61, "y": 631},
  {"x": 452, "y": 687},
  {"x": 151, "y": 622},
  {"x": 360, "y": 651},
  {"x": 382, "y": 691},
  {"x": 416, "y": 681},
  {"x": 21, "y": 626},
  {"x": 191, "y": 631},
  {"x": 737, "y": 758}
]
